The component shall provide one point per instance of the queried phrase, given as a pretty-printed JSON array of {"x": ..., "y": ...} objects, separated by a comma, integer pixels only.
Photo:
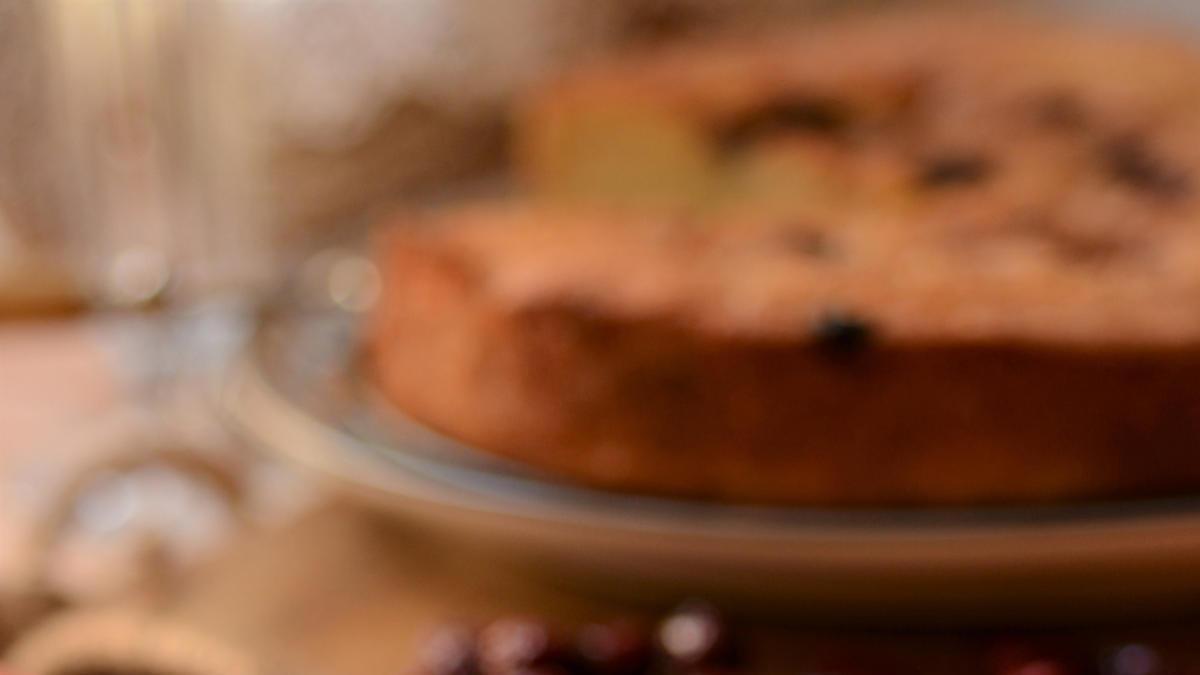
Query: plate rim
[{"x": 249, "y": 401}]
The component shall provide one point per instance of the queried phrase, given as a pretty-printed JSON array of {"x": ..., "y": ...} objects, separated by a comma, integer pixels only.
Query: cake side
[{"x": 639, "y": 395}]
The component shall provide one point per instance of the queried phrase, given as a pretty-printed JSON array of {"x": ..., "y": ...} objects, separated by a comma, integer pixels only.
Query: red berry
[
  {"x": 449, "y": 651},
  {"x": 1040, "y": 666},
  {"x": 695, "y": 635},
  {"x": 1134, "y": 659},
  {"x": 616, "y": 648},
  {"x": 1025, "y": 659},
  {"x": 518, "y": 643}
]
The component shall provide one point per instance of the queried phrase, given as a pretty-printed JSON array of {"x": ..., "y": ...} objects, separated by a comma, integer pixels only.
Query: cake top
[
  {"x": 782, "y": 280},
  {"x": 976, "y": 178}
]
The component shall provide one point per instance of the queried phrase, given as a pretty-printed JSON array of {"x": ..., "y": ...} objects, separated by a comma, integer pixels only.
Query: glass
[
  {"x": 151, "y": 119},
  {"x": 144, "y": 95}
]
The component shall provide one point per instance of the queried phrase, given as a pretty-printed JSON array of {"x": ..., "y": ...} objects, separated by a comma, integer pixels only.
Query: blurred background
[{"x": 186, "y": 187}]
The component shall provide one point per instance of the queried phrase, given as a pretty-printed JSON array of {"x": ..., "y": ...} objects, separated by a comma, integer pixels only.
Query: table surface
[
  {"x": 334, "y": 588},
  {"x": 56, "y": 377}
]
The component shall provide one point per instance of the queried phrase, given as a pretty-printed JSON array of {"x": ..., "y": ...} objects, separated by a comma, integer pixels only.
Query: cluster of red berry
[
  {"x": 696, "y": 639},
  {"x": 693, "y": 639}
]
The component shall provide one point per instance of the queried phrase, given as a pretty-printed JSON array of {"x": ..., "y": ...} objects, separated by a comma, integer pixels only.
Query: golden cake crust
[{"x": 613, "y": 353}]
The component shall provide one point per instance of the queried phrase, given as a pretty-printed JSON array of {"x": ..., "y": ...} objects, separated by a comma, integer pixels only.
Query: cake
[{"x": 965, "y": 270}]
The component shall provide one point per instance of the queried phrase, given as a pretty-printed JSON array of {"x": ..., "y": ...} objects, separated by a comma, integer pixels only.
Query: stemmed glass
[{"x": 149, "y": 114}]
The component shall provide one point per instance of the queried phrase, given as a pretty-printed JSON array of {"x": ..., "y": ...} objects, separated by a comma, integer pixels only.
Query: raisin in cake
[{"x": 967, "y": 270}]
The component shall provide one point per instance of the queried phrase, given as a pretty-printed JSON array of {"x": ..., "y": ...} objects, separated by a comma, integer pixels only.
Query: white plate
[{"x": 294, "y": 393}]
